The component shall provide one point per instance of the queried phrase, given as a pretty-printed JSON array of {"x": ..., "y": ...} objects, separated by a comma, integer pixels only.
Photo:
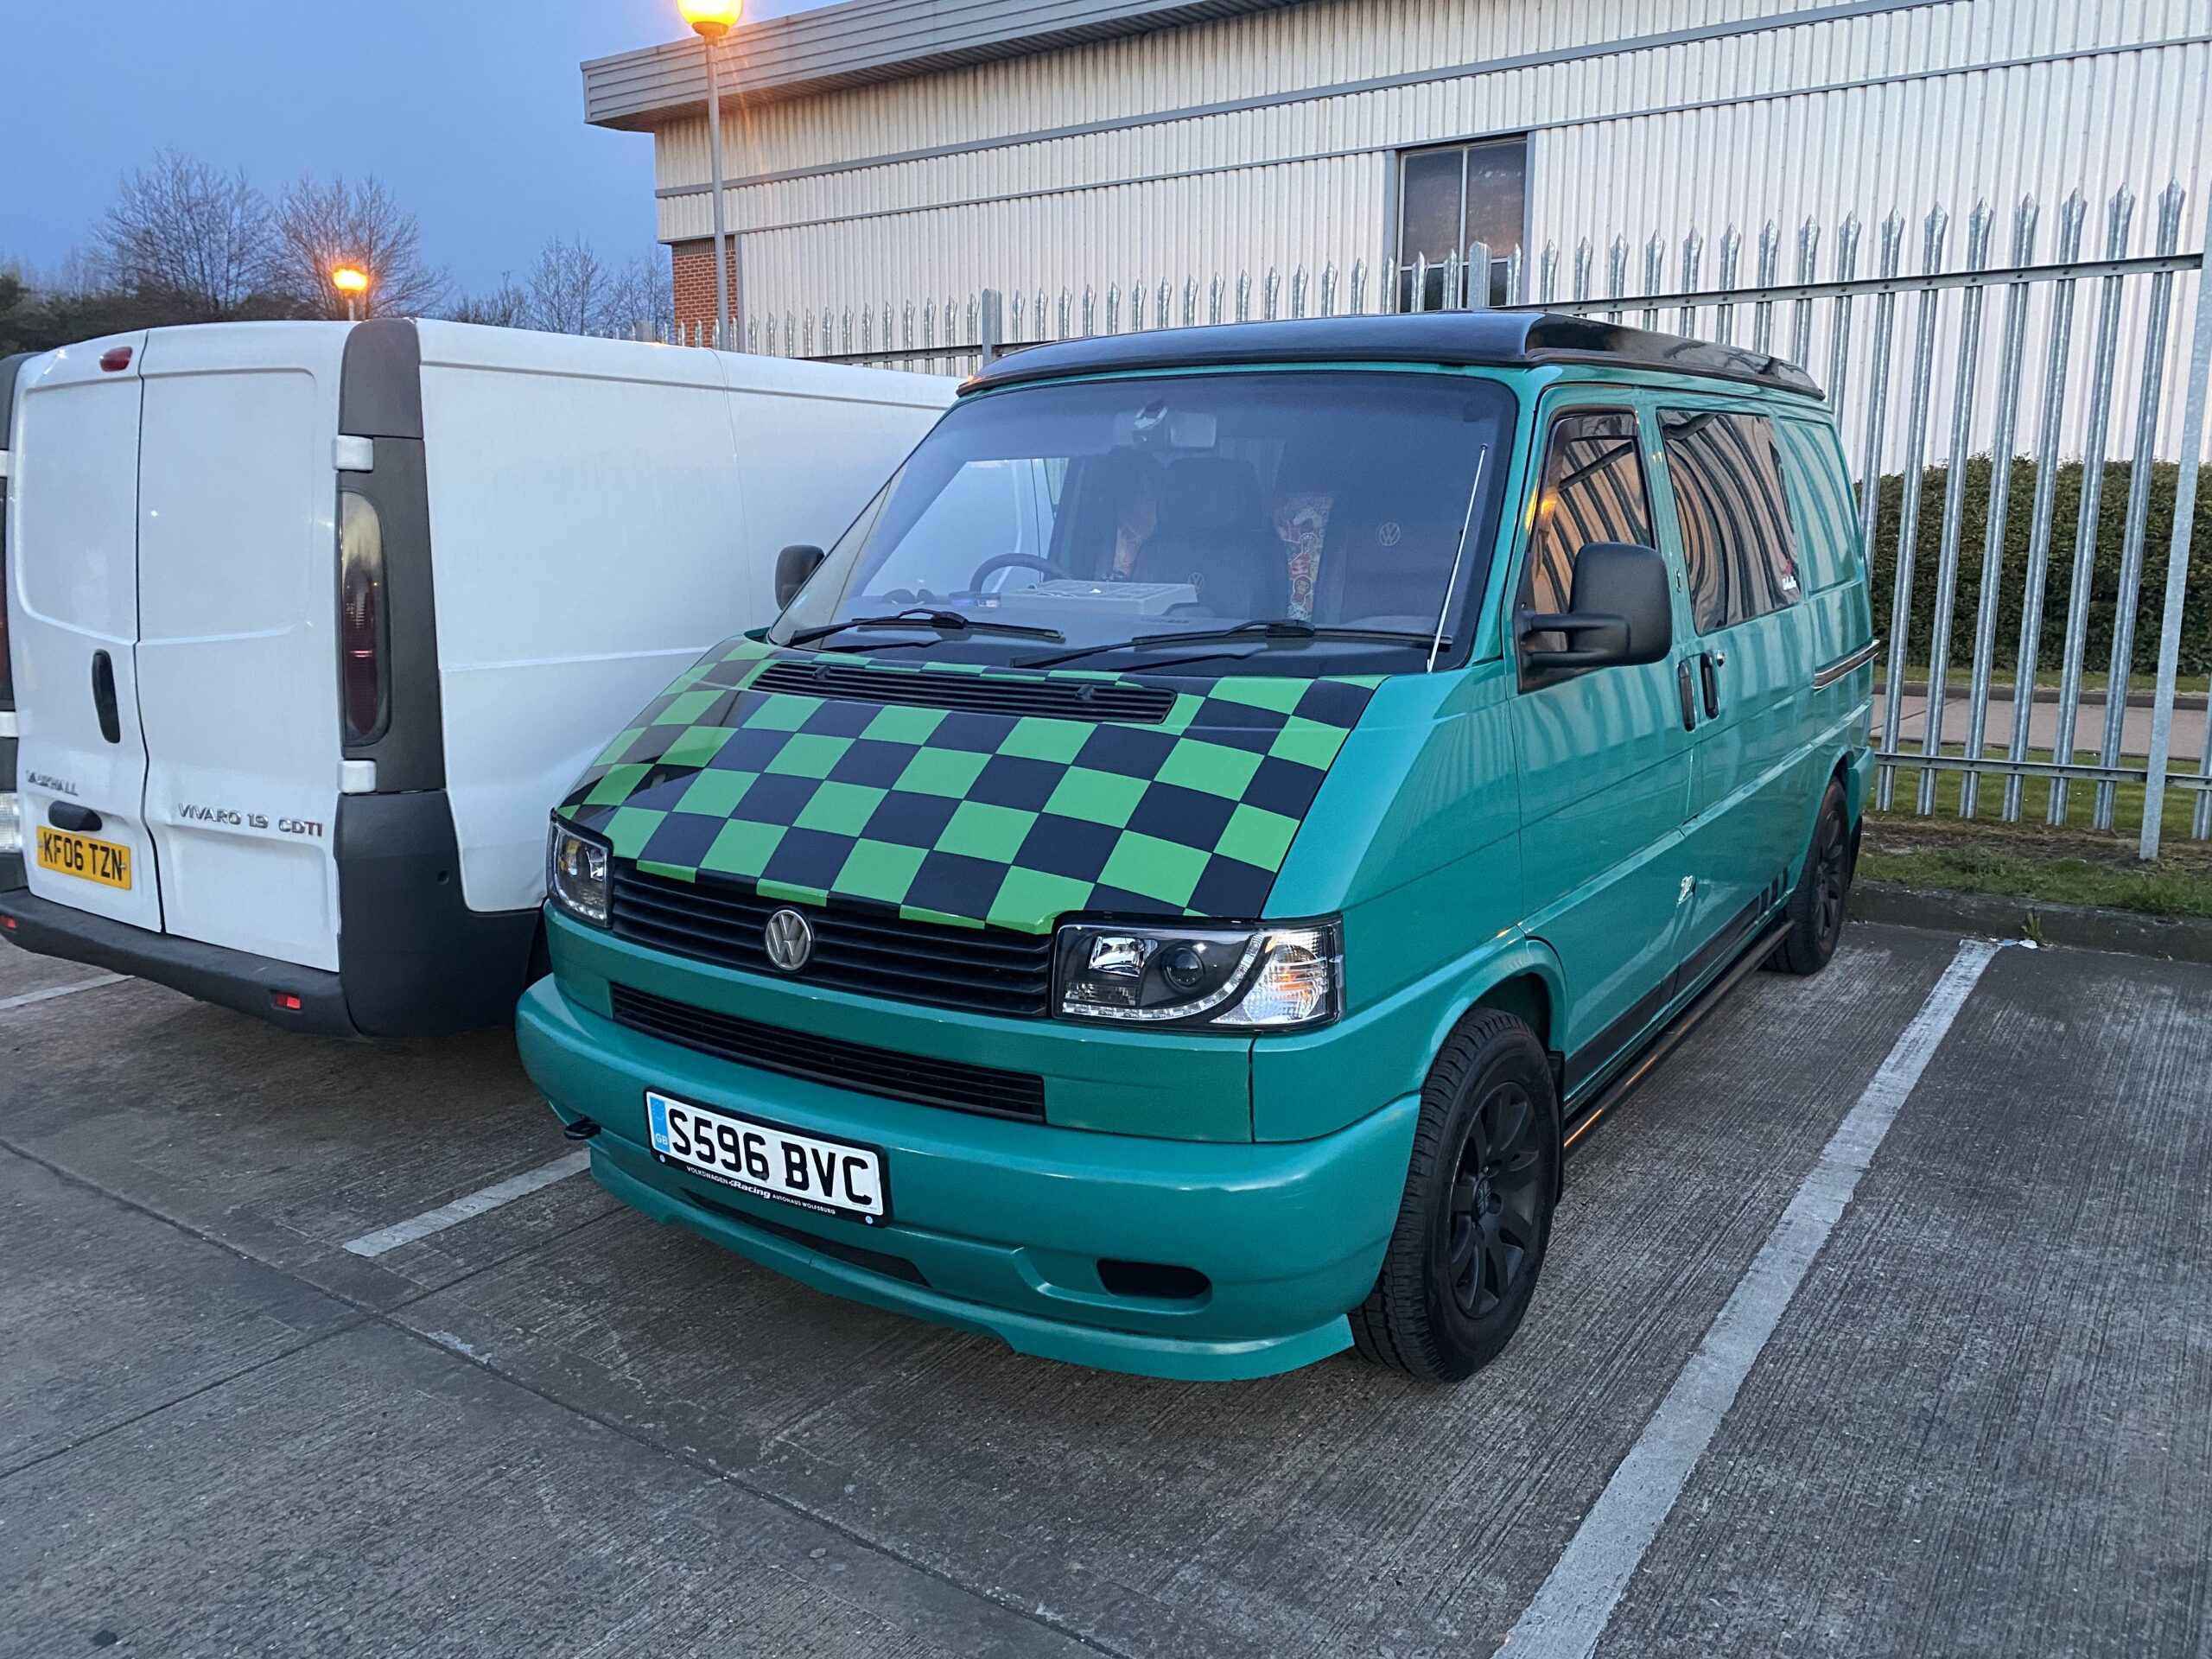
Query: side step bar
[{"x": 1671, "y": 1036}]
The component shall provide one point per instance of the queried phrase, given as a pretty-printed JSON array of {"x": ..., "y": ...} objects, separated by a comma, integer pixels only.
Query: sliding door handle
[
  {"x": 1689, "y": 697},
  {"x": 1708, "y": 674}
]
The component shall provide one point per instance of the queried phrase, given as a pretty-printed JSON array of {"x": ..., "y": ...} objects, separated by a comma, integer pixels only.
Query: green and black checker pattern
[{"x": 952, "y": 816}]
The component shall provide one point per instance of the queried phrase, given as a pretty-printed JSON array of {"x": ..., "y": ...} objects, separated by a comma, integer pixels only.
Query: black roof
[{"x": 1501, "y": 339}]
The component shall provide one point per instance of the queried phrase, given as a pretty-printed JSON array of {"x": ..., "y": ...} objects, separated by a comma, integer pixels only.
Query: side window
[
  {"x": 1592, "y": 490},
  {"x": 1738, "y": 542},
  {"x": 1823, "y": 505}
]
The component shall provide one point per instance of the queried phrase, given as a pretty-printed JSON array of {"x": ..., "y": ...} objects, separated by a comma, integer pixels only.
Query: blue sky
[{"x": 471, "y": 111}]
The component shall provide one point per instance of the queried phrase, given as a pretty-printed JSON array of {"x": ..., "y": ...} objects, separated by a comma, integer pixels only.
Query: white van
[{"x": 310, "y": 625}]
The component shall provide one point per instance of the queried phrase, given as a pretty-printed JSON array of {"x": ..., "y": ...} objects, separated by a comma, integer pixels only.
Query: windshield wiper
[
  {"x": 923, "y": 617},
  {"x": 1290, "y": 628}
]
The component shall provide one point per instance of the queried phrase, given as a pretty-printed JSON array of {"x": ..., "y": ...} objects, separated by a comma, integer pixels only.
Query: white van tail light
[{"x": 364, "y": 629}]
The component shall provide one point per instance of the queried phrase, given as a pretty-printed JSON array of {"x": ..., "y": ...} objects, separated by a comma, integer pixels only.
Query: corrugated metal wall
[{"x": 1872, "y": 106}]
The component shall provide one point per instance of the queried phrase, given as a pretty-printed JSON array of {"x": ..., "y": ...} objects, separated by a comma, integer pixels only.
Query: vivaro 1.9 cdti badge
[{"x": 1186, "y": 864}]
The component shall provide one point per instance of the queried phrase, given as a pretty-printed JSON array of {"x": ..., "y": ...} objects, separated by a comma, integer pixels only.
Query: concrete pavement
[{"x": 552, "y": 1427}]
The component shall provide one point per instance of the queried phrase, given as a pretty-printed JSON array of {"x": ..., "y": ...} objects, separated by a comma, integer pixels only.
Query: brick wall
[{"x": 692, "y": 266}]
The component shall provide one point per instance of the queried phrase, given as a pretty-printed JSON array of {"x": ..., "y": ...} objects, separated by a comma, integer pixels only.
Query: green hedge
[{"x": 2019, "y": 523}]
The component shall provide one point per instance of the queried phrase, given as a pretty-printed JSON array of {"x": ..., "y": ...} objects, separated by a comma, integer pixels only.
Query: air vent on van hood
[{"x": 1066, "y": 696}]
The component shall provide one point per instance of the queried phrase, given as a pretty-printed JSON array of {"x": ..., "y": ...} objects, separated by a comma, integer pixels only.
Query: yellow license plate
[{"x": 80, "y": 856}]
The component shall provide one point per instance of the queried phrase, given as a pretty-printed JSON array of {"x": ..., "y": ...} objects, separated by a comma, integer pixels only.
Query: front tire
[
  {"x": 1816, "y": 908},
  {"x": 1476, "y": 1218}
]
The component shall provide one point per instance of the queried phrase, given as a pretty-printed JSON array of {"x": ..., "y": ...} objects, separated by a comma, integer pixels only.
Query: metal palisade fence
[{"x": 2023, "y": 402}]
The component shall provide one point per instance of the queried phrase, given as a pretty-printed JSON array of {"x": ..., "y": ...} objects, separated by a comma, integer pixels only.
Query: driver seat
[{"x": 1213, "y": 533}]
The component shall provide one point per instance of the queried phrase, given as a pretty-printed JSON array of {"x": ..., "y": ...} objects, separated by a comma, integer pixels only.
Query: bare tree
[
  {"x": 570, "y": 288},
  {"x": 643, "y": 297},
  {"x": 504, "y": 307},
  {"x": 182, "y": 233},
  {"x": 321, "y": 226}
]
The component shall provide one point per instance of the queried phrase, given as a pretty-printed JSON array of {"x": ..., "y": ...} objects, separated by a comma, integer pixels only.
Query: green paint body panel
[{"x": 1573, "y": 853}]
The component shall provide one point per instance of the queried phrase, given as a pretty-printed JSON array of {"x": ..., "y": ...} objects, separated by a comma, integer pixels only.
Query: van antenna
[{"x": 1444, "y": 611}]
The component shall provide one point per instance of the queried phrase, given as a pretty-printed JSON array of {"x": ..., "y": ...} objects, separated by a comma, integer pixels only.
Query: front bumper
[{"x": 998, "y": 1226}]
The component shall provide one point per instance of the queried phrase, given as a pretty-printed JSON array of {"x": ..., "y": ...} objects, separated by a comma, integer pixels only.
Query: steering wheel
[{"x": 997, "y": 563}]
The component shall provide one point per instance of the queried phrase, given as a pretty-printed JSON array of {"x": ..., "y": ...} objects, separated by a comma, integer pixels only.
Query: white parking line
[
  {"x": 475, "y": 1203},
  {"x": 52, "y": 991},
  {"x": 1570, "y": 1613}
]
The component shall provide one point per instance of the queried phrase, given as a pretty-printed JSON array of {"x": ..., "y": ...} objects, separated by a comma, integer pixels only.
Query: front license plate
[
  {"x": 80, "y": 856},
  {"x": 833, "y": 1177}
]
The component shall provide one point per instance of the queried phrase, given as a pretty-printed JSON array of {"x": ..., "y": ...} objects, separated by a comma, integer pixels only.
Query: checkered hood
[{"x": 952, "y": 816}]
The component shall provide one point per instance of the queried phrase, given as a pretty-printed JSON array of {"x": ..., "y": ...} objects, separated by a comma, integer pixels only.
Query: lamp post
[
  {"x": 710, "y": 20},
  {"x": 353, "y": 281}
]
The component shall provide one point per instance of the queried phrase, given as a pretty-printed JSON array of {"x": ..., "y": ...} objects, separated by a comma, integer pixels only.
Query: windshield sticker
[{"x": 953, "y": 816}]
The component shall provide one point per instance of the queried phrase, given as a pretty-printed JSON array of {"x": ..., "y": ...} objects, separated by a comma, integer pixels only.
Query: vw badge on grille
[{"x": 790, "y": 939}]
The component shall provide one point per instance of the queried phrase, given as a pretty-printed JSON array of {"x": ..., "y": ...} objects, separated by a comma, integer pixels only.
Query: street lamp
[
  {"x": 353, "y": 281},
  {"x": 710, "y": 20}
]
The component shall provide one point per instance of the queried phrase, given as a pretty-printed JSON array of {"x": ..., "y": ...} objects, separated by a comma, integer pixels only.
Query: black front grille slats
[
  {"x": 979, "y": 971},
  {"x": 1064, "y": 699},
  {"x": 954, "y": 1084}
]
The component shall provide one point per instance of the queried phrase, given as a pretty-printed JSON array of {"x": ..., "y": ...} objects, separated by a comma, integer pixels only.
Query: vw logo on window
[{"x": 790, "y": 939}]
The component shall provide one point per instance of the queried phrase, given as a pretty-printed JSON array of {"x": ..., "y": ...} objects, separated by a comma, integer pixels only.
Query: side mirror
[
  {"x": 793, "y": 565},
  {"x": 1624, "y": 612}
]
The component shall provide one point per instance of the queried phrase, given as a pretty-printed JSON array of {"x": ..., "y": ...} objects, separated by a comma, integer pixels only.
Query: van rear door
[
  {"x": 238, "y": 662},
  {"x": 72, "y": 540}
]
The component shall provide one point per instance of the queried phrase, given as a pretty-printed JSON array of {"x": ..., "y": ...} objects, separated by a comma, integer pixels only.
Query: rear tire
[
  {"x": 1816, "y": 908},
  {"x": 1476, "y": 1218}
]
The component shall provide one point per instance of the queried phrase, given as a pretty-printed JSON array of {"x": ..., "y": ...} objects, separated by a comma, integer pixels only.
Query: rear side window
[
  {"x": 1738, "y": 542},
  {"x": 1592, "y": 490},
  {"x": 1822, "y": 504}
]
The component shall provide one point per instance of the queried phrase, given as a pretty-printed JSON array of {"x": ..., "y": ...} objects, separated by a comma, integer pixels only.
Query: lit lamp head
[
  {"x": 350, "y": 280},
  {"x": 711, "y": 19}
]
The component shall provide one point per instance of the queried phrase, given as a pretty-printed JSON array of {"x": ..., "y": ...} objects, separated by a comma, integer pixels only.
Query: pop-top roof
[{"x": 1501, "y": 339}]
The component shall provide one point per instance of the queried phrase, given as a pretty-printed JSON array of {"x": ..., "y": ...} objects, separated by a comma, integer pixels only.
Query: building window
[{"x": 1450, "y": 199}]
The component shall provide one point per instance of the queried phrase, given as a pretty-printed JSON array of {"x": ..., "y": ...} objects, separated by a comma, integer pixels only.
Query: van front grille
[
  {"x": 978, "y": 969},
  {"x": 954, "y": 1084},
  {"x": 933, "y": 688}
]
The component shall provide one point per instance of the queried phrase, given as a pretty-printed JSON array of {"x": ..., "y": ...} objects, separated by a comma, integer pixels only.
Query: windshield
[{"x": 1109, "y": 510}]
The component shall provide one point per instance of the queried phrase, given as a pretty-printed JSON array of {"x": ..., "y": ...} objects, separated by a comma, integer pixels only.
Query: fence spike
[
  {"x": 1358, "y": 287},
  {"x": 1244, "y": 296},
  {"x": 1693, "y": 257},
  {"x": 1113, "y": 308},
  {"x": 1732, "y": 247},
  {"x": 1298, "y": 292},
  {"x": 1547, "y": 273},
  {"x": 1328, "y": 290},
  {"x": 1090, "y": 310},
  {"x": 1166, "y": 299},
  {"x": 1585, "y": 259}
]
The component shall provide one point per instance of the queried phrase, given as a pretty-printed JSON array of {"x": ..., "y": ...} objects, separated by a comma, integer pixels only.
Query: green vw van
[{"x": 1187, "y": 863}]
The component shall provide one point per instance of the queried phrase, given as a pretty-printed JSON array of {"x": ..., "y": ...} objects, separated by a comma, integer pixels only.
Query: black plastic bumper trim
[{"x": 231, "y": 979}]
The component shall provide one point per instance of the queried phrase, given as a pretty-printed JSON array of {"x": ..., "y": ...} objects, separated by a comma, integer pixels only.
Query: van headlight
[
  {"x": 1274, "y": 978},
  {"x": 575, "y": 874}
]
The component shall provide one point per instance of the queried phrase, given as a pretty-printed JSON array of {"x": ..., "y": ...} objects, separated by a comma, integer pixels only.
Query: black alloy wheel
[
  {"x": 1462, "y": 1258},
  {"x": 1496, "y": 1213},
  {"x": 1817, "y": 907}
]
